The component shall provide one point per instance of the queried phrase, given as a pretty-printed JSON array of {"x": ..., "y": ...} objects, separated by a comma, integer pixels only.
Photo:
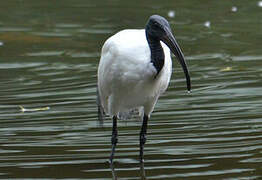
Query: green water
[{"x": 49, "y": 53}]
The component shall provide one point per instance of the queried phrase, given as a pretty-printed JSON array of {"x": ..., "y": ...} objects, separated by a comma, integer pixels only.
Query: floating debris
[
  {"x": 171, "y": 14},
  {"x": 1, "y": 43},
  {"x": 234, "y": 9},
  {"x": 259, "y": 3},
  {"x": 226, "y": 69},
  {"x": 207, "y": 24},
  {"x": 22, "y": 109}
]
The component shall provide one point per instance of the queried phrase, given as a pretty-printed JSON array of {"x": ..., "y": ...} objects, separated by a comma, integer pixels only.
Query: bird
[{"x": 135, "y": 68}]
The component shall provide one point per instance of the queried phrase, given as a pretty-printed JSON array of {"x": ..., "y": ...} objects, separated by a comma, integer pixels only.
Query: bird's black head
[
  {"x": 158, "y": 29},
  {"x": 156, "y": 26}
]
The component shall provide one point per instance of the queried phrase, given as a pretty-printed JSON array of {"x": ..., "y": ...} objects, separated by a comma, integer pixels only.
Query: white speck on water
[
  {"x": 171, "y": 14},
  {"x": 259, "y": 3},
  {"x": 1, "y": 43},
  {"x": 207, "y": 24},
  {"x": 234, "y": 9}
]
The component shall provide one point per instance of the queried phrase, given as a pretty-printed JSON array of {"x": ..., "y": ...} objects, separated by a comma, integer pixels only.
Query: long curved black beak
[{"x": 170, "y": 41}]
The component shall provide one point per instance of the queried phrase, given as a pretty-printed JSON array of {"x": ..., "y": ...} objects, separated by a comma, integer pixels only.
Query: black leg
[
  {"x": 114, "y": 138},
  {"x": 143, "y": 137}
]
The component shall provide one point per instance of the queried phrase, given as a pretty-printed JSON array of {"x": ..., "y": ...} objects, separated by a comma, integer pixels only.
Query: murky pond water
[{"x": 49, "y": 53}]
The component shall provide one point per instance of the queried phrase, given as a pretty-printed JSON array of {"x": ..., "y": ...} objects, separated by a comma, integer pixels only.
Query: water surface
[{"x": 49, "y": 53}]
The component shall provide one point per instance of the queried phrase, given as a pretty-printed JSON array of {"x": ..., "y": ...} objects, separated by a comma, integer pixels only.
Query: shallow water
[{"x": 49, "y": 53}]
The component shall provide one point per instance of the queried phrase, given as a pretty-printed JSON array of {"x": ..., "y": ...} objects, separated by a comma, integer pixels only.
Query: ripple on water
[
  {"x": 14, "y": 29},
  {"x": 96, "y": 31},
  {"x": 53, "y": 34},
  {"x": 64, "y": 25},
  {"x": 20, "y": 65},
  {"x": 246, "y": 58},
  {"x": 46, "y": 53}
]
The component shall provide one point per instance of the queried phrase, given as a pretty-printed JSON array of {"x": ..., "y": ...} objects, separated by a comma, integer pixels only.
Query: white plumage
[{"x": 126, "y": 75}]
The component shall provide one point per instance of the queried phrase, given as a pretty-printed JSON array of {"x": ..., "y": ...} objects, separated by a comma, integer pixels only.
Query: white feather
[{"x": 126, "y": 76}]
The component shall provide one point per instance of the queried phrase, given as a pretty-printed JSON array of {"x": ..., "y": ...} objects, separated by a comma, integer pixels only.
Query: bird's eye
[{"x": 155, "y": 24}]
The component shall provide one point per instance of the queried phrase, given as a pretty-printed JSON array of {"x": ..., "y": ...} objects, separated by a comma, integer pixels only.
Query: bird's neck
[{"x": 157, "y": 53}]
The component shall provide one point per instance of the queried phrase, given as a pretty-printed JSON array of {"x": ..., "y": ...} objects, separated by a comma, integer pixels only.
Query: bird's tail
[
  {"x": 100, "y": 109},
  {"x": 130, "y": 113},
  {"x": 121, "y": 115}
]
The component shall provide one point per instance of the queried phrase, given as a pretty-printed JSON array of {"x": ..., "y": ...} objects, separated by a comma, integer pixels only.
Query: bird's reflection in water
[
  {"x": 142, "y": 171},
  {"x": 114, "y": 176}
]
